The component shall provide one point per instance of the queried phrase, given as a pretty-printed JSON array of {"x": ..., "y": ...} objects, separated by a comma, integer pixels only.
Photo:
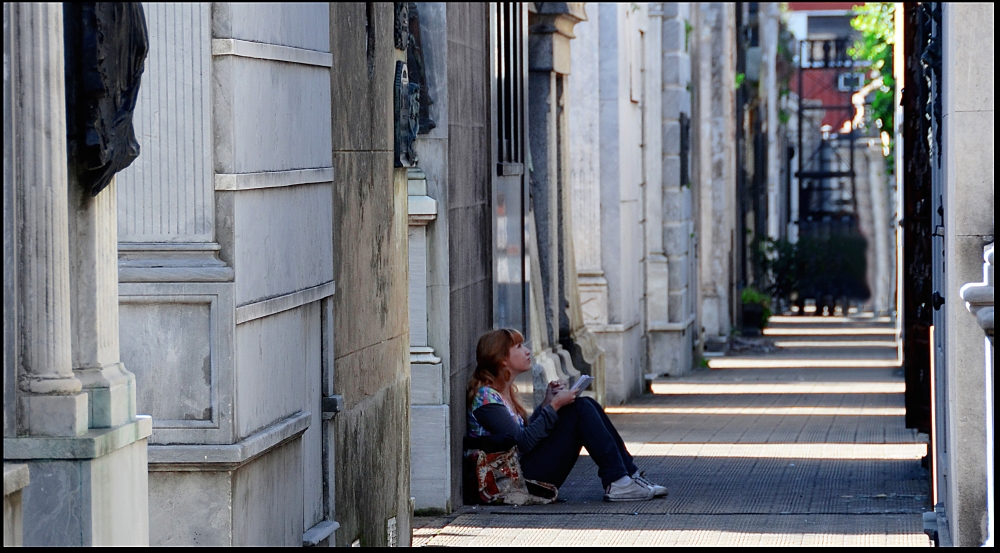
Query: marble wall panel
[
  {"x": 267, "y": 499},
  {"x": 191, "y": 508},
  {"x": 418, "y": 285},
  {"x": 311, "y": 401},
  {"x": 274, "y": 354},
  {"x": 583, "y": 132},
  {"x": 973, "y": 142},
  {"x": 119, "y": 497},
  {"x": 166, "y": 194},
  {"x": 267, "y": 139},
  {"x": 430, "y": 441},
  {"x": 176, "y": 337},
  {"x": 972, "y": 58},
  {"x": 168, "y": 346},
  {"x": 56, "y": 518},
  {"x": 283, "y": 240},
  {"x": 426, "y": 384},
  {"x": 300, "y": 25}
]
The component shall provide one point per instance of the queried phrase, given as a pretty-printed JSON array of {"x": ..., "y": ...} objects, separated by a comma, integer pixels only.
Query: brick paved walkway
[{"x": 794, "y": 455}]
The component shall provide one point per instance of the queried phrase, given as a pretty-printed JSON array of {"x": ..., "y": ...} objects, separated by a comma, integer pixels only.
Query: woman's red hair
[{"x": 492, "y": 351}]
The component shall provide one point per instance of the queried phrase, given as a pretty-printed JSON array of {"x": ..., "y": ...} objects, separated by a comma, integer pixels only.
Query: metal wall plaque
[{"x": 406, "y": 111}]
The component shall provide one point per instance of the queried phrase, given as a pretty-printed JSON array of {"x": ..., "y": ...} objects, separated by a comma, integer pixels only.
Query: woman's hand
[
  {"x": 562, "y": 398},
  {"x": 554, "y": 387}
]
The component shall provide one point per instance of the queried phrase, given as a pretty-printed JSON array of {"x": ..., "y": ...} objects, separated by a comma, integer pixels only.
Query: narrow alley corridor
[{"x": 796, "y": 440}]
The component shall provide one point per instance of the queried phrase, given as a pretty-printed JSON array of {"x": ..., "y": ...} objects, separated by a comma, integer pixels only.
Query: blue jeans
[{"x": 582, "y": 423}]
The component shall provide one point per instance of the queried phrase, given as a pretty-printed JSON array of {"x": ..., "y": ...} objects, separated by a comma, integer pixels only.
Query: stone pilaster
[
  {"x": 670, "y": 251},
  {"x": 49, "y": 403},
  {"x": 93, "y": 250},
  {"x": 967, "y": 162},
  {"x": 430, "y": 431},
  {"x": 713, "y": 170},
  {"x": 979, "y": 301}
]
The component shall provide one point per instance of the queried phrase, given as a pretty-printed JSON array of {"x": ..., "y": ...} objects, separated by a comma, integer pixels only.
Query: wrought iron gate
[{"x": 831, "y": 248}]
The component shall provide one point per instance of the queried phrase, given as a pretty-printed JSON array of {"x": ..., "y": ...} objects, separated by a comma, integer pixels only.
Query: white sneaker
[
  {"x": 658, "y": 490},
  {"x": 630, "y": 491}
]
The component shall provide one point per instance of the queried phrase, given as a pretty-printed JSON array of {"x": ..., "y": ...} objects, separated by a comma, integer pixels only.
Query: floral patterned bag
[{"x": 499, "y": 480}]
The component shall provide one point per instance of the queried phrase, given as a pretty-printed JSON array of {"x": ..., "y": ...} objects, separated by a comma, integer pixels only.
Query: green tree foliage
[{"x": 875, "y": 22}]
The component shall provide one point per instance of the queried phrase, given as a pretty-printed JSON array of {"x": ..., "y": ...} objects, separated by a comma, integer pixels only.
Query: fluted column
[{"x": 49, "y": 403}]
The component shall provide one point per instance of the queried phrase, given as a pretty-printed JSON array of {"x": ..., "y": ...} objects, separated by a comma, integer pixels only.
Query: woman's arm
[{"x": 496, "y": 419}]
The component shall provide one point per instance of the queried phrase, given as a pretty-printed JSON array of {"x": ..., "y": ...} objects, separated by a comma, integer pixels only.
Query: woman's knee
[
  {"x": 590, "y": 401},
  {"x": 588, "y": 409},
  {"x": 568, "y": 412},
  {"x": 582, "y": 409}
]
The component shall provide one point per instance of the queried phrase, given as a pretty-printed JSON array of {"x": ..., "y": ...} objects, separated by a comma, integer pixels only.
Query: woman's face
[{"x": 519, "y": 359}]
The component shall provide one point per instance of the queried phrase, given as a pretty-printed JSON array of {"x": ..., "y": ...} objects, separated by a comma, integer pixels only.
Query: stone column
[
  {"x": 50, "y": 403},
  {"x": 562, "y": 345}
]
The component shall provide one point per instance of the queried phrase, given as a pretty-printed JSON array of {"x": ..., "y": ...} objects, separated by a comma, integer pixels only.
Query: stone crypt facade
[{"x": 74, "y": 447}]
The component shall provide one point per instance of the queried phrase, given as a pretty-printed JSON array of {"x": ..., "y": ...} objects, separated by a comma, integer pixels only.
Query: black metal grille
[{"x": 510, "y": 85}]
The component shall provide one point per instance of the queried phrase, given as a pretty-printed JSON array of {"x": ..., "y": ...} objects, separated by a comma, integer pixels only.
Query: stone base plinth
[
  {"x": 670, "y": 350},
  {"x": 430, "y": 457},
  {"x": 622, "y": 362},
  {"x": 244, "y": 494},
  {"x": 15, "y": 478},
  {"x": 86, "y": 491}
]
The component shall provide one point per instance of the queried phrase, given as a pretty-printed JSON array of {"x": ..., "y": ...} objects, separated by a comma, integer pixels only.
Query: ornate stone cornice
[
  {"x": 550, "y": 28},
  {"x": 556, "y": 17}
]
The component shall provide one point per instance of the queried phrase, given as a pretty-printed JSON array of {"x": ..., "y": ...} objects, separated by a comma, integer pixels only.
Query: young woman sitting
[{"x": 550, "y": 441}]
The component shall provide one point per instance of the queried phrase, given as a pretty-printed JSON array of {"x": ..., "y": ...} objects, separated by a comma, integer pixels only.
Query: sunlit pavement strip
[
  {"x": 712, "y": 388},
  {"x": 780, "y": 457},
  {"x": 850, "y": 331},
  {"x": 835, "y": 344},
  {"x": 767, "y": 363},
  {"x": 667, "y": 530},
  {"x": 782, "y": 451},
  {"x": 844, "y": 411}
]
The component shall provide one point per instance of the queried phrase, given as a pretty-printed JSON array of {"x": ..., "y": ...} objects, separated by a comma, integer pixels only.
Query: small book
[{"x": 581, "y": 384}]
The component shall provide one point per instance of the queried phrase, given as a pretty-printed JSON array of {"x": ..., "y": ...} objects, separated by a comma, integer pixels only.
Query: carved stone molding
[{"x": 550, "y": 30}]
